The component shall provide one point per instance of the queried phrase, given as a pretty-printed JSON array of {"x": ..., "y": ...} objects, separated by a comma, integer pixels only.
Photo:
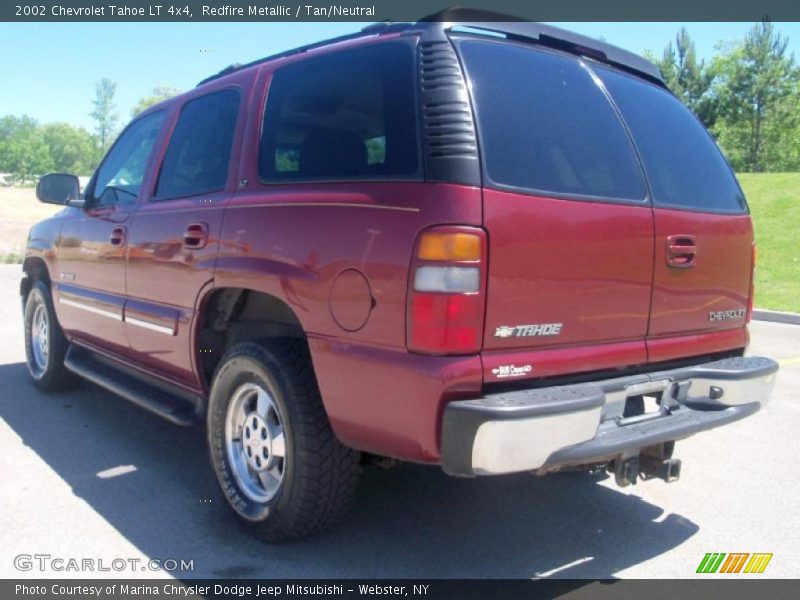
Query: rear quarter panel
[{"x": 292, "y": 241}]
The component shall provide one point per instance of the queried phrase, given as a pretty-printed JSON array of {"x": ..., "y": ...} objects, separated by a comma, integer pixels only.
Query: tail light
[
  {"x": 447, "y": 286},
  {"x": 751, "y": 296}
]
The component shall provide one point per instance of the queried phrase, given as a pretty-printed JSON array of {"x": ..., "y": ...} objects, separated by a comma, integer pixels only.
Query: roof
[{"x": 438, "y": 25}]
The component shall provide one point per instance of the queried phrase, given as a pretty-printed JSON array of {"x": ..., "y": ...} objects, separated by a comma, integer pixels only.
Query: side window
[
  {"x": 199, "y": 152},
  {"x": 347, "y": 115},
  {"x": 683, "y": 164},
  {"x": 545, "y": 126},
  {"x": 119, "y": 178}
]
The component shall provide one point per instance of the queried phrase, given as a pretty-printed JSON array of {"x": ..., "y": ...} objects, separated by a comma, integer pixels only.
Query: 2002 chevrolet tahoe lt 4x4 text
[{"x": 497, "y": 247}]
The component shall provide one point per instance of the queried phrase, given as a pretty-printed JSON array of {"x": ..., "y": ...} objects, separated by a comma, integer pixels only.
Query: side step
[{"x": 167, "y": 401}]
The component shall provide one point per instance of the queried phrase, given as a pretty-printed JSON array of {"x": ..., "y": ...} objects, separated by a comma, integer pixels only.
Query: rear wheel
[
  {"x": 276, "y": 458},
  {"x": 45, "y": 344}
]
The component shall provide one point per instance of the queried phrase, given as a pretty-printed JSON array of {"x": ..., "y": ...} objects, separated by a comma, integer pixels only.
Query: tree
[
  {"x": 781, "y": 149},
  {"x": 23, "y": 152},
  {"x": 104, "y": 113},
  {"x": 689, "y": 79},
  {"x": 71, "y": 148},
  {"x": 160, "y": 93},
  {"x": 755, "y": 83}
]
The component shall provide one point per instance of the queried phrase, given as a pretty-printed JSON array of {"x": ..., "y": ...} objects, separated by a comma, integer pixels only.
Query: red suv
[{"x": 494, "y": 247}]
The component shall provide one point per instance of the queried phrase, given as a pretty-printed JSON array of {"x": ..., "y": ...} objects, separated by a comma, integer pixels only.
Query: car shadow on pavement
[{"x": 412, "y": 521}]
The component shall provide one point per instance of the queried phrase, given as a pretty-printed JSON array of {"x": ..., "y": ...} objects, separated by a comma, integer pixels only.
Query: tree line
[
  {"x": 28, "y": 148},
  {"x": 747, "y": 95}
]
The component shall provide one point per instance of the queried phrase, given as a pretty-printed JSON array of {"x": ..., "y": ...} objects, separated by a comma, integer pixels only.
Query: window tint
[
  {"x": 546, "y": 126},
  {"x": 683, "y": 164},
  {"x": 199, "y": 152},
  {"x": 119, "y": 178},
  {"x": 348, "y": 115}
]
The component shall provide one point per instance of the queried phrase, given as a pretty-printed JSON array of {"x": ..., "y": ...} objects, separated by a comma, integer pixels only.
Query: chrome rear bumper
[{"x": 586, "y": 423}]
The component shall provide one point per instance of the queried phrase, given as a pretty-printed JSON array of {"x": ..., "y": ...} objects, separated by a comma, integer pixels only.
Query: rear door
[
  {"x": 569, "y": 222},
  {"x": 703, "y": 232}
]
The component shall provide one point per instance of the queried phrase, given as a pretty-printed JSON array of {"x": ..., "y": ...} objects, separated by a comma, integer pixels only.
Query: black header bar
[
  {"x": 384, "y": 589},
  {"x": 393, "y": 10}
]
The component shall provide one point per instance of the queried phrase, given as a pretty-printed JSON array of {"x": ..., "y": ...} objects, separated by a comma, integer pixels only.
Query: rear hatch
[
  {"x": 575, "y": 158},
  {"x": 703, "y": 232}
]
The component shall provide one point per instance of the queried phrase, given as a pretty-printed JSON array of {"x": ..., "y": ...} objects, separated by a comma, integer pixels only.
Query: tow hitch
[
  {"x": 668, "y": 469},
  {"x": 654, "y": 462}
]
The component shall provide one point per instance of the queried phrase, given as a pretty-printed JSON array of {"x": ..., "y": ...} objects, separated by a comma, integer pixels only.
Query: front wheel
[
  {"x": 45, "y": 344},
  {"x": 275, "y": 456}
]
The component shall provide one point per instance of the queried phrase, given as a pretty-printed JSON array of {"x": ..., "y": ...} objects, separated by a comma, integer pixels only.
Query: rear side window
[
  {"x": 199, "y": 151},
  {"x": 347, "y": 115},
  {"x": 546, "y": 126},
  {"x": 683, "y": 164}
]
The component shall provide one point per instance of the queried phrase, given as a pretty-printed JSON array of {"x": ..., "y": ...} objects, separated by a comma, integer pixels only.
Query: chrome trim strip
[
  {"x": 91, "y": 309},
  {"x": 323, "y": 204},
  {"x": 149, "y": 325}
]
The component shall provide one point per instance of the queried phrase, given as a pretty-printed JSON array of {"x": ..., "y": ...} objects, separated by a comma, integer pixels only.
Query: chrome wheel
[
  {"x": 40, "y": 340},
  {"x": 255, "y": 442}
]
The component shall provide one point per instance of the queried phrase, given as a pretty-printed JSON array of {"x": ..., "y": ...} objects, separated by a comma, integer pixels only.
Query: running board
[{"x": 170, "y": 402}]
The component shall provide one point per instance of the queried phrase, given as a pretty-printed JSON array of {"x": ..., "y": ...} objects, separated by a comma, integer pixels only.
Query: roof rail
[{"x": 438, "y": 24}]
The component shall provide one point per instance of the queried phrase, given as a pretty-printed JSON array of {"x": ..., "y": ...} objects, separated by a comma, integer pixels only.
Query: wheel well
[
  {"x": 35, "y": 269},
  {"x": 233, "y": 315}
]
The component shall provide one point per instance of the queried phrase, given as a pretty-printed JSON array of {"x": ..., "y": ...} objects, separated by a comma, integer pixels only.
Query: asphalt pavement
[{"x": 87, "y": 475}]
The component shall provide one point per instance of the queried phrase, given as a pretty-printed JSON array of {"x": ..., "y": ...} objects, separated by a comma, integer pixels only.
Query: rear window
[
  {"x": 546, "y": 126},
  {"x": 684, "y": 167},
  {"x": 347, "y": 115}
]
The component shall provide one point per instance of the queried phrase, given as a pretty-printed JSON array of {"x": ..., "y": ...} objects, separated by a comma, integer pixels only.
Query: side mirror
[{"x": 58, "y": 188}]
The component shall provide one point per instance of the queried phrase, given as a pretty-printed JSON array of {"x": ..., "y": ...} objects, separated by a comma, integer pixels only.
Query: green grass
[{"x": 774, "y": 200}]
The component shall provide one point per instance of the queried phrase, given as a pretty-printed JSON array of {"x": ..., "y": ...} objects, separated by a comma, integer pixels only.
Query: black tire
[
  {"x": 319, "y": 475},
  {"x": 48, "y": 373}
]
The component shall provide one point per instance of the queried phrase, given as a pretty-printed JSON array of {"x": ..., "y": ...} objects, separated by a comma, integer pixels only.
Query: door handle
[
  {"x": 195, "y": 236},
  {"x": 681, "y": 251},
  {"x": 117, "y": 237}
]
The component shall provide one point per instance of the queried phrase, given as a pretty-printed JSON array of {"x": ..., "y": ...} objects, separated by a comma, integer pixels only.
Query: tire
[
  {"x": 45, "y": 344},
  {"x": 281, "y": 468}
]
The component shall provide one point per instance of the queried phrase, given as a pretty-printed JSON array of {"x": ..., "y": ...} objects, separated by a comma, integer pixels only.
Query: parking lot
[{"x": 87, "y": 475}]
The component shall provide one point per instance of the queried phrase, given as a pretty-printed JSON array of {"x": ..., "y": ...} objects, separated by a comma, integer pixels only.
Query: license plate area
[{"x": 645, "y": 401}]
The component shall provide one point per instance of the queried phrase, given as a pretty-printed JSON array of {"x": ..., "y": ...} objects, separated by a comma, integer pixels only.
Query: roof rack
[{"x": 439, "y": 24}]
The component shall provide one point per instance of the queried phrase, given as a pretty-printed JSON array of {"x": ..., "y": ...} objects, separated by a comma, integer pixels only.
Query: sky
[{"x": 50, "y": 69}]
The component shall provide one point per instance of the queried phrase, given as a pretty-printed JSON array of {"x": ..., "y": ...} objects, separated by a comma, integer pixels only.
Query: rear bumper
[{"x": 584, "y": 423}]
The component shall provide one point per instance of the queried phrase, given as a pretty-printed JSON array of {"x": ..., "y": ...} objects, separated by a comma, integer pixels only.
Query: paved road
[{"x": 738, "y": 493}]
